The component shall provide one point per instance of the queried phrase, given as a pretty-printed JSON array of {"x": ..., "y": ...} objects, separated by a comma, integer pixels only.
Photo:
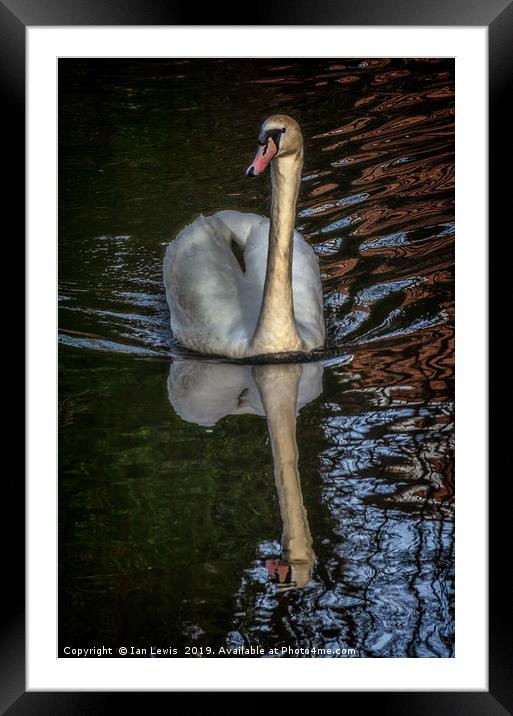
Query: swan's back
[{"x": 214, "y": 303}]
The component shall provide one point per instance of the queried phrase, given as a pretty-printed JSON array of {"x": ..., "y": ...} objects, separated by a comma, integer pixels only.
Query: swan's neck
[
  {"x": 278, "y": 387},
  {"x": 276, "y": 330}
]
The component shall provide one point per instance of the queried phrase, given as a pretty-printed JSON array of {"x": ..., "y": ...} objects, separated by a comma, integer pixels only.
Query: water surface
[{"x": 172, "y": 525}]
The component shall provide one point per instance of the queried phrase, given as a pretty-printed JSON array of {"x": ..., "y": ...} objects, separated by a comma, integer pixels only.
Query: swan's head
[{"x": 279, "y": 136}]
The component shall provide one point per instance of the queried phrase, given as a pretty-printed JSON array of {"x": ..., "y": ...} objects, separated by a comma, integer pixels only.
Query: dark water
[{"x": 173, "y": 531}]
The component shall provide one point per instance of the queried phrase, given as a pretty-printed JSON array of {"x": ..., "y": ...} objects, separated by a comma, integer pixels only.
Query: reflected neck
[
  {"x": 278, "y": 386},
  {"x": 276, "y": 330}
]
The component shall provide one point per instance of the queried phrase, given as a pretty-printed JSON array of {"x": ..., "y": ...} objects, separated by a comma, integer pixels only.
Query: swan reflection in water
[{"x": 203, "y": 393}]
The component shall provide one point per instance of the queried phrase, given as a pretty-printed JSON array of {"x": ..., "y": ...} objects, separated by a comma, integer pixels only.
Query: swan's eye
[
  {"x": 270, "y": 134},
  {"x": 275, "y": 135},
  {"x": 283, "y": 130}
]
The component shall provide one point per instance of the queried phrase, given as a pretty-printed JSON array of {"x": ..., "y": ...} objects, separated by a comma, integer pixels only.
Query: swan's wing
[
  {"x": 243, "y": 225},
  {"x": 307, "y": 292},
  {"x": 211, "y": 309}
]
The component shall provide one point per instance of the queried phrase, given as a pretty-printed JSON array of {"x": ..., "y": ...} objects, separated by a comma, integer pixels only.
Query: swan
[{"x": 240, "y": 284}]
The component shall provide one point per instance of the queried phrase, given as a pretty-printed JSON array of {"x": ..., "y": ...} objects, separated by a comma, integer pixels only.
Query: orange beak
[{"x": 262, "y": 159}]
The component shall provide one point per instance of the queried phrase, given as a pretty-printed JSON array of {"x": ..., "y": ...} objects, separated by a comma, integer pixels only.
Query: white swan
[{"x": 269, "y": 300}]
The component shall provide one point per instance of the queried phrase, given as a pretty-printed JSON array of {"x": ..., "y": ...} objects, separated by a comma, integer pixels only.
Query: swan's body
[
  {"x": 273, "y": 302},
  {"x": 214, "y": 304}
]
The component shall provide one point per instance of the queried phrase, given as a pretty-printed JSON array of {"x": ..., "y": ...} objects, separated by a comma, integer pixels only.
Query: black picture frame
[{"x": 497, "y": 15}]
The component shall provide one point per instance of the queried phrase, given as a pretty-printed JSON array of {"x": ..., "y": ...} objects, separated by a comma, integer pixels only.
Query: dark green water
[{"x": 170, "y": 529}]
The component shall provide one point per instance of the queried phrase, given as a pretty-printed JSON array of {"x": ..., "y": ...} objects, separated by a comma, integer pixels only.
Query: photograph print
[{"x": 256, "y": 358}]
